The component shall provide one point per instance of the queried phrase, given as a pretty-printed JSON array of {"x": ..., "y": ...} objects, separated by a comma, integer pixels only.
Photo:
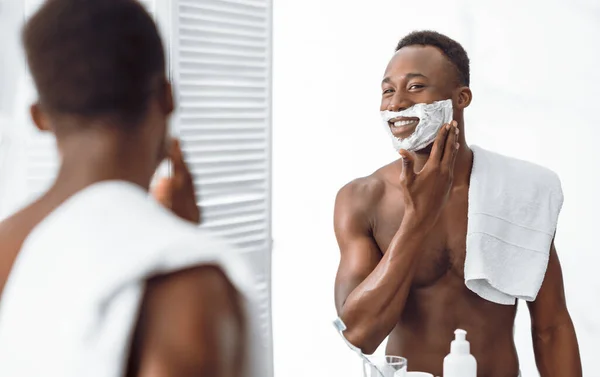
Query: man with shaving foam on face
[{"x": 449, "y": 236}]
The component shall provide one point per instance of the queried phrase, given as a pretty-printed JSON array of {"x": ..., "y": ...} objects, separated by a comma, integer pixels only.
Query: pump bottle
[{"x": 460, "y": 362}]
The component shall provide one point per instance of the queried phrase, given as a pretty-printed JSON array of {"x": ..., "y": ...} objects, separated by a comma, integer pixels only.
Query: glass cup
[{"x": 385, "y": 366}]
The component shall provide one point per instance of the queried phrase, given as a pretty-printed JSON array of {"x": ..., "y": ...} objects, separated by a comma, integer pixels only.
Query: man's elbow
[
  {"x": 550, "y": 332},
  {"x": 360, "y": 338},
  {"x": 362, "y": 331}
]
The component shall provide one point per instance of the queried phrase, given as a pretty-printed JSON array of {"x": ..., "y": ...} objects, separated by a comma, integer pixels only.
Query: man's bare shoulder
[
  {"x": 190, "y": 320},
  {"x": 361, "y": 198},
  {"x": 364, "y": 192},
  {"x": 28, "y": 217},
  {"x": 361, "y": 192},
  {"x": 14, "y": 230}
]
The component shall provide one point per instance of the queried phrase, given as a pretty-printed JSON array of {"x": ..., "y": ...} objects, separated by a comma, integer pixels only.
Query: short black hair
[
  {"x": 449, "y": 47},
  {"x": 94, "y": 58}
]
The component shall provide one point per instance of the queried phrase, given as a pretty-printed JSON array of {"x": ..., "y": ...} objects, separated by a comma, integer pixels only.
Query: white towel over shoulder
[
  {"x": 71, "y": 303},
  {"x": 513, "y": 212}
]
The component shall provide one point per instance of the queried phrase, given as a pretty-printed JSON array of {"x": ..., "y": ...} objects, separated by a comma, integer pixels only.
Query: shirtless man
[
  {"x": 402, "y": 236},
  {"x": 104, "y": 94}
]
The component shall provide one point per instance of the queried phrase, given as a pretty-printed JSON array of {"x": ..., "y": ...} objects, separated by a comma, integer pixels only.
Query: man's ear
[
  {"x": 464, "y": 97},
  {"x": 168, "y": 102},
  {"x": 39, "y": 118}
]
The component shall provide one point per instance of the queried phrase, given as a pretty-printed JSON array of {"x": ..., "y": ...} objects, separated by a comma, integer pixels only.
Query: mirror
[{"x": 534, "y": 80}]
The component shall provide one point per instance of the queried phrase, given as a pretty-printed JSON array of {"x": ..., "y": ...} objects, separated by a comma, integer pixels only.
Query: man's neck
[
  {"x": 462, "y": 166},
  {"x": 89, "y": 159}
]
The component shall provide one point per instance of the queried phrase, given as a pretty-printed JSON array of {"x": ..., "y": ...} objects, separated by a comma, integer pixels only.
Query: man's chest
[{"x": 444, "y": 249}]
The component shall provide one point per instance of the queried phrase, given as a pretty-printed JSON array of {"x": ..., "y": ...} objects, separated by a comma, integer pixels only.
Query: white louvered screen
[
  {"x": 42, "y": 162},
  {"x": 221, "y": 63}
]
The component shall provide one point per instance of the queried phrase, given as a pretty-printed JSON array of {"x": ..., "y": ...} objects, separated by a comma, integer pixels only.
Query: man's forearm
[
  {"x": 557, "y": 351},
  {"x": 372, "y": 309}
]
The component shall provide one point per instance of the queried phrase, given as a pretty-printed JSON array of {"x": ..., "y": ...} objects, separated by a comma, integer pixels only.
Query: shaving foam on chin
[{"x": 431, "y": 118}]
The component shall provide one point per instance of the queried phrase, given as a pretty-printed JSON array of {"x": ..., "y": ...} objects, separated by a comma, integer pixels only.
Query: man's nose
[{"x": 399, "y": 102}]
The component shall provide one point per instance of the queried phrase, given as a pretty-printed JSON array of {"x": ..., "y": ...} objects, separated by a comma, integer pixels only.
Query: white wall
[
  {"x": 9, "y": 61},
  {"x": 13, "y": 108},
  {"x": 536, "y": 84}
]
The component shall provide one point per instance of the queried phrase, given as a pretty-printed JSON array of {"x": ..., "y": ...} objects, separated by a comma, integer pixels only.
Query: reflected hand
[{"x": 177, "y": 192}]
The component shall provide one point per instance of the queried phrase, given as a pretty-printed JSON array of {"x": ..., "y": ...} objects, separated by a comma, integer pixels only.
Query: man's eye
[
  {"x": 388, "y": 91},
  {"x": 415, "y": 86}
]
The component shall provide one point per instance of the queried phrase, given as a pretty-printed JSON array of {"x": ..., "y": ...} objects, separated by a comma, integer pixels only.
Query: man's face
[{"x": 416, "y": 74}]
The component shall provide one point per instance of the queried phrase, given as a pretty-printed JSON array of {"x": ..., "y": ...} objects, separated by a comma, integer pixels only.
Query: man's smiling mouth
[{"x": 403, "y": 127}]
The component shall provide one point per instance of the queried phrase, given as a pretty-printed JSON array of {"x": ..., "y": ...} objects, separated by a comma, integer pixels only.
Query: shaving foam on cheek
[{"x": 431, "y": 118}]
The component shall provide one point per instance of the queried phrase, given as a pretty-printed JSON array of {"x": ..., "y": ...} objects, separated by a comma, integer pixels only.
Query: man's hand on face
[
  {"x": 177, "y": 192},
  {"x": 426, "y": 192}
]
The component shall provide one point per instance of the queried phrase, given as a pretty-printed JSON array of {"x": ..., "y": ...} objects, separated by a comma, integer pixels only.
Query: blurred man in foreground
[{"x": 99, "y": 279}]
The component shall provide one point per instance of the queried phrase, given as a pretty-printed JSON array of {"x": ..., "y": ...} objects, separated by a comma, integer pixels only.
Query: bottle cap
[{"x": 460, "y": 345}]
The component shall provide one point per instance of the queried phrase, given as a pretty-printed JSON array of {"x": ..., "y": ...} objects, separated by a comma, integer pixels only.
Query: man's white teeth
[{"x": 402, "y": 123}]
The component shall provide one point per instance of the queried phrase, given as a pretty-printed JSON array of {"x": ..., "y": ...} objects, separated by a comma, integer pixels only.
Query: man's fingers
[
  {"x": 178, "y": 192},
  {"x": 181, "y": 171},
  {"x": 451, "y": 140},
  {"x": 438, "y": 145},
  {"x": 162, "y": 192},
  {"x": 451, "y": 148},
  {"x": 454, "y": 154},
  {"x": 176, "y": 155},
  {"x": 408, "y": 169}
]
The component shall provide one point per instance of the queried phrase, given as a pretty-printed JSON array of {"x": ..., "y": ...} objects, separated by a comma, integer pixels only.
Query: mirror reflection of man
[{"x": 402, "y": 236}]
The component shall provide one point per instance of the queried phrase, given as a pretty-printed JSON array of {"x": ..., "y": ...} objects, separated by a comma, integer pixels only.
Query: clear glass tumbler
[{"x": 385, "y": 366}]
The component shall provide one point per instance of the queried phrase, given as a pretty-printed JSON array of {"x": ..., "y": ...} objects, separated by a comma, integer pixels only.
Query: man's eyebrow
[
  {"x": 414, "y": 75},
  {"x": 408, "y": 76}
]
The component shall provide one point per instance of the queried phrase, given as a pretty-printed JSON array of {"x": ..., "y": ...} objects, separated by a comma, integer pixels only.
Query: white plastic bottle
[{"x": 460, "y": 362}]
